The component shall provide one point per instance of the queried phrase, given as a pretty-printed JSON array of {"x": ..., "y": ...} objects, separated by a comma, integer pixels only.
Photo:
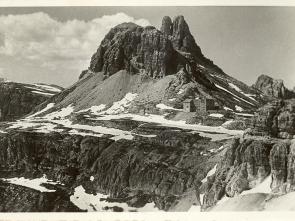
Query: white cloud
[{"x": 41, "y": 38}]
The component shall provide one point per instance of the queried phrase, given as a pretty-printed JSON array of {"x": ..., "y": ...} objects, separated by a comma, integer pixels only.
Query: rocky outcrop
[
  {"x": 272, "y": 88},
  {"x": 275, "y": 119},
  {"x": 15, "y": 198},
  {"x": 247, "y": 163},
  {"x": 17, "y": 100},
  {"x": 158, "y": 53}
]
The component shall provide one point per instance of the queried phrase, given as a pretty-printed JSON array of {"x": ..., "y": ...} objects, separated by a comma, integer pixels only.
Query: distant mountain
[
  {"x": 273, "y": 88},
  {"x": 18, "y": 99}
]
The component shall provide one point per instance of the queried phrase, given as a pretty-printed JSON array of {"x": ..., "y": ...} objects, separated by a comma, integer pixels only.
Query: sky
[{"x": 54, "y": 44}]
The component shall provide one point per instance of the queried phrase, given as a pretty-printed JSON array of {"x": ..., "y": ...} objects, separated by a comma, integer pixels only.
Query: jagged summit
[{"x": 158, "y": 52}]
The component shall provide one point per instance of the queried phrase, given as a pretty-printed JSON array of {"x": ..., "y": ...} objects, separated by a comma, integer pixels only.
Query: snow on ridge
[
  {"x": 235, "y": 87},
  {"x": 235, "y": 96},
  {"x": 49, "y": 106},
  {"x": 48, "y": 88},
  {"x": 97, "y": 203},
  {"x": 165, "y": 107},
  {"x": 43, "y": 93},
  {"x": 250, "y": 96},
  {"x": 32, "y": 183}
]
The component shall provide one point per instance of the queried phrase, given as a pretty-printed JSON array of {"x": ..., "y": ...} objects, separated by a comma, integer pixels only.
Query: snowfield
[
  {"x": 97, "y": 202},
  {"x": 32, "y": 183}
]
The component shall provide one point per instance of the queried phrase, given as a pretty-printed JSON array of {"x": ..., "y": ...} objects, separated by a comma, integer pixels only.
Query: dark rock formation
[
  {"x": 247, "y": 163},
  {"x": 276, "y": 119},
  {"x": 16, "y": 198},
  {"x": 272, "y": 88},
  {"x": 159, "y": 53}
]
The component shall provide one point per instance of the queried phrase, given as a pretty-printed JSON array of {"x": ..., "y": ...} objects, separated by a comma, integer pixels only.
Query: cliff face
[
  {"x": 136, "y": 171},
  {"x": 276, "y": 119},
  {"x": 134, "y": 48},
  {"x": 247, "y": 163}
]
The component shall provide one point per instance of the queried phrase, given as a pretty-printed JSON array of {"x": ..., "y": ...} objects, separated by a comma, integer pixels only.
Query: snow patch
[
  {"x": 244, "y": 114},
  {"x": 172, "y": 99},
  {"x": 98, "y": 202},
  {"x": 165, "y": 107},
  {"x": 238, "y": 108},
  {"x": 43, "y": 93},
  {"x": 216, "y": 115},
  {"x": 263, "y": 187},
  {"x": 94, "y": 109},
  {"x": 120, "y": 106},
  {"x": 210, "y": 173},
  {"x": 228, "y": 109},
  {"x": 181, "y": 91},
  {"x": 49, "y": 106},
  {"x": 64, "y": 112},
  {"x": 91, "y": 178},
  {"x": 32, "y": 183}
]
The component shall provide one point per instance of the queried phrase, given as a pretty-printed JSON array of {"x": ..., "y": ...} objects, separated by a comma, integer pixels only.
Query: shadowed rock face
[
  {"x": 276, "y": 119},
  {"x": 272, "y": 87}
]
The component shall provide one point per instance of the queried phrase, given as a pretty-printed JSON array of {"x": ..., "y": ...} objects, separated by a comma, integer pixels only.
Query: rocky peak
[
  {"x": 271, "y": 87},
  {"x": 167, "y": 26},
  {"x": 145, "y": 49}
]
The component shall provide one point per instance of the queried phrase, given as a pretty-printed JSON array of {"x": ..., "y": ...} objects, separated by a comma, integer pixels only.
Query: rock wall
[
  {"x": 247, "y": 163},
  {"x": 276, "y": 119}
]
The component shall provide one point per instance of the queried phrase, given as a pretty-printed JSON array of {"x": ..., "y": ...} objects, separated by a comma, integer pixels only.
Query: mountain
[
  {"x": 158, "y": 67},
  {"x": 273, "y": 88},
  {"x": 18, "y": 99},
  {"x": 119, "y": 140}
]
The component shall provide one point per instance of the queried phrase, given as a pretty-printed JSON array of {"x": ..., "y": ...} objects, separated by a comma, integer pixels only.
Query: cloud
[{"x": 39, "y": 37}]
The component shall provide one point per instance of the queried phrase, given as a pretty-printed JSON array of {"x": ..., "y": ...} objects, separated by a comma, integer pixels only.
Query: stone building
[
  {"x": 201, "y": 105},
  {"x": 188, "y": 105}
]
